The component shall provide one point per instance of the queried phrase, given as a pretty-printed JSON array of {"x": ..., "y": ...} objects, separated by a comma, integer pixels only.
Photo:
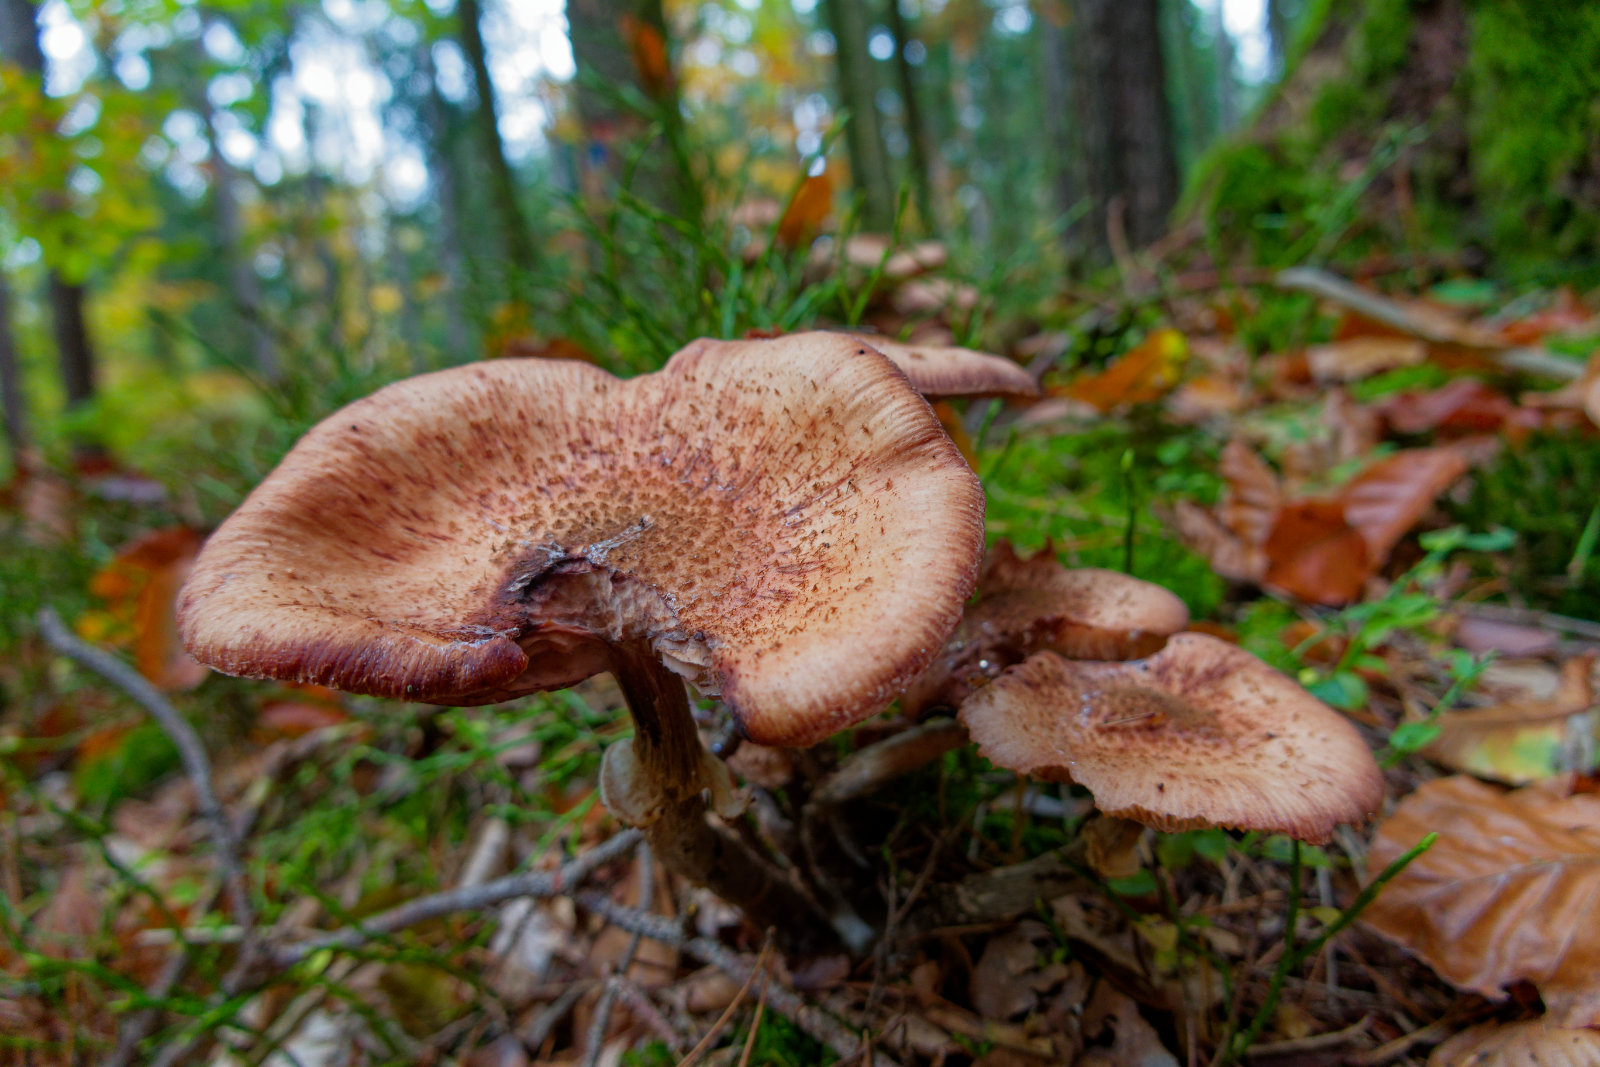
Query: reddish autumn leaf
[
  {"x": 1141, "y": 375},
  {"x": 1385, "y": 501},
  {"x": 1252, "y": 496},
  {"x": 1355, "y": 358},
  {"x": 649, "y": 50},
  {"x": 548, "y": 348},
  {"x": 1526, "y": 738},
  {"x": 802, "y": 220},
  {"x": 289, "y": 718},
  {"x": 140, "y": 587},
  {"x": 1564, "y": 315},
  {"x": 1464, "y": 406},
  {"x": 1505, "y": 895},
  {"x": 1314, "y": 554}
]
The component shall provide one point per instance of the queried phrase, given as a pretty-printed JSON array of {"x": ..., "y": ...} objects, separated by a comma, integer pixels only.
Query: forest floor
[{"x": 1383, "y": 486}]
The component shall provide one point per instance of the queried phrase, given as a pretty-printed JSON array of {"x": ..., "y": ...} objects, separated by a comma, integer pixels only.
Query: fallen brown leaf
[
  {"x": 1141, "y": 375},
  {"x": 1525, "y": 739},
  {"x": 1507, "y": 893},
  {"x": 1355, "y": 358},
  {"x": 1384, "y": 501}
]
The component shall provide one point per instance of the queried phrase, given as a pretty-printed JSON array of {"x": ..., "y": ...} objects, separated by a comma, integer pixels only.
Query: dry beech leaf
[
  {"x": 1464, "y": 406},
  {"x": 1141, "y": 375},
  {"x": 1508, "y": 893},
  {"x": 140, "y": 586},
  {"x": 1534, "y": 1043},
  {"x": 1525, "y": 739},
  {"x": 1252, "y": 495},
  {"x": 1384, "y": 501},
  {"x": 1011, "y": 977},
  {"x": 1355, "y": 358},
  {"x": 802, "y": 220},
  {"x": 1319, "y": 548}
]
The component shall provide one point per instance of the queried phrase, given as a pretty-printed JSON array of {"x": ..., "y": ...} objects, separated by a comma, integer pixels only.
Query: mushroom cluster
[
  {"x": 1083, "y": 676},
  {"x": 781, "y": 523}
]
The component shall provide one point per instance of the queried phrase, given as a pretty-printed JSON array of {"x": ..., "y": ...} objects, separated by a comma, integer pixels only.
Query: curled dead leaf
[
  {"x": 1506, "y": 894},
  {"x": 1525, "y": 739}
]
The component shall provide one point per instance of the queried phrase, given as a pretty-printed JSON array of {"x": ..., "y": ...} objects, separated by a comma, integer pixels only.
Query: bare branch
[
  {"x": 196, "y": 765},
  {"x": 465, "y": 898}
]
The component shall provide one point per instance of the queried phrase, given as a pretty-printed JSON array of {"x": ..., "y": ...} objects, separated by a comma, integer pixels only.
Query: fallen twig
[
  {"x": 1391, "y": 313},
  {"x": 196, "y": 765},
  {"x": 608, "y": 993},
  {"x": 465, "y": 898}
]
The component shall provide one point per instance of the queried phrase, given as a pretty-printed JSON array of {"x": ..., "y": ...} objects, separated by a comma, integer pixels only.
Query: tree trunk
[
  {"x": 618, "y": 45},
  {"x": 1056, "y": 75},
  {"x": 519, "y": 247},
  {"x": 72, "y": 340},
  {"x": 13, "y": 401},
  {"x": 447, "y": 197},
  {"x": 869, "y": 162},
  {"x": 1278, "y": 35},
  {"x": 243, "y": 283},
  {"x": 1227, "y": 84},
  {"x": 1497, "y": 103},
  {"x": 19, "y": 34},
  {"x": 1131, "y": 175},
  {"x": 916, "y": 129}
]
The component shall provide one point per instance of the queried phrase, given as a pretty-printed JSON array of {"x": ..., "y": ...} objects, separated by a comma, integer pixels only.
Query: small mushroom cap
[
  {"x": 757, "y": 511},
  {"x": 1026, "y": 605},
  {"x": 948, "y": 371},
  {"x": 1200, "y": 734}
]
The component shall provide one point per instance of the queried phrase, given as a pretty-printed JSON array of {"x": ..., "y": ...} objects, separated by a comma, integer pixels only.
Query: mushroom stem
[{"x": 670, "y": 768}]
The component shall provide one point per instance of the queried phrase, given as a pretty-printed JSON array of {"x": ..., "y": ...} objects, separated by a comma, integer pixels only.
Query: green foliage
[
  {"x": 1074, "y": 490},
  {"x": 1534, "y": 123},
  {"x": 1523, "y": 101},
  {"x": 1545, "y": 490}
]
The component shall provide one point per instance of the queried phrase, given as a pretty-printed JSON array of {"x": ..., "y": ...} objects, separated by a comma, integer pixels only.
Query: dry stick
[
  {"x": 137, "y": 1026},
  {"x": 196, "y": 765},
  {"x": 466, "y": 898},
  {"x": 1380, "y": 308},
  {"x": 809, "y": 1018},
  {"x": 608, "y": 994}
]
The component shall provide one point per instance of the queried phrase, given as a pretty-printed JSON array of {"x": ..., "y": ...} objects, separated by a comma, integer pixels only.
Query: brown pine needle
[
  {"x": 716, "y": 1028},
  {"x": 755, "y": 1021}
]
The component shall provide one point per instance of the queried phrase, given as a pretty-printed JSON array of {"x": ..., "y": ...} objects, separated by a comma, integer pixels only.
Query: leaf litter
[{"x": 1012, "y": 933}]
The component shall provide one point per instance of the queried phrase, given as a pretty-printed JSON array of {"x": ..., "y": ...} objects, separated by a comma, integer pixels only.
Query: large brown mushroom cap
[
  {"x": 947, "y": 371},
  {"x": 784, "y": 522},
  {"x": 1028, "y": 604},
  {"x": 1200, "y": 734}
]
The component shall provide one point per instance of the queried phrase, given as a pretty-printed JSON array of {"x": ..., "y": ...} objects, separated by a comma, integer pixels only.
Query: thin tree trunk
[
  {"x": 869, "y": 165},
  {"x": 1120, "y": 83},
  {"x": 19, "y": 36},
  {"x": 446, "y": 195},
  {"x": 1055, "y": 67},
  {"x": 13, "y": 401},
  {"x": 1278, "y": 34},
  {"x": 1227, "y": 85},
  {"x": 72, "y": 340},
  {"x": 243, "y": 283},
  {"x": 518, "y": 237},
  {"x": 916, "y": 129},
  {"x": 618, "y": 44}
]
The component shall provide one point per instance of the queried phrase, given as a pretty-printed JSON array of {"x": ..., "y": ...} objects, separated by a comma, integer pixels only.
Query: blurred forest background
[{"x": 1358, "y": 238}]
